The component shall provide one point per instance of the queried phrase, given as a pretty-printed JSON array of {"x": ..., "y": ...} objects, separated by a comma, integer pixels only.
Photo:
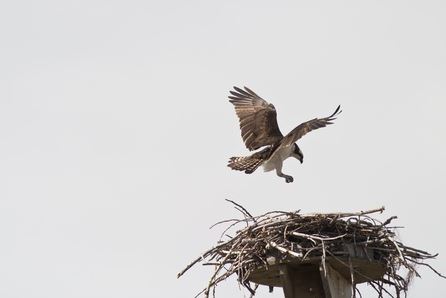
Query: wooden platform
[
  {"x": 364, "y": 270},
  {"x": 364, "y": 267}
]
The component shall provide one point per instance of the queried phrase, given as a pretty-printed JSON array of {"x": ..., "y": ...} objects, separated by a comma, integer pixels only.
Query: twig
[
  {"x": 323, "y": 258},
  {"x": 284, "y": 250},
  {"x": 241, "y": 207},
  {"x": 432, "y": 268}
]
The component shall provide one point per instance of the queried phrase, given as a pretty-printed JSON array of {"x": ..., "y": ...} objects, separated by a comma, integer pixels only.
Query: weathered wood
[
  {"x": 302, "y": 282},
  {"x": 311, "y": 281},
  {"x": 335, "y": 285},
  {"x": 364, "y": 270}
]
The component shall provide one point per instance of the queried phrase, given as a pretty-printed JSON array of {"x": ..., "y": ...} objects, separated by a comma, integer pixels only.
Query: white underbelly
[
  {"x": 276, "y": 160},
  {"x": 270, "y": 165}
]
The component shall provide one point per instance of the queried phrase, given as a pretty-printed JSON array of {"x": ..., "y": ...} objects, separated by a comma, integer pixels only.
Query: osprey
[{"x": 258, "y": 125}]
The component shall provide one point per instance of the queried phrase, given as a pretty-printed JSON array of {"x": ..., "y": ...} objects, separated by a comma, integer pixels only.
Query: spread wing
[
  {"x": 308, "y": 126},
  {"x": 258, "y": 122}
]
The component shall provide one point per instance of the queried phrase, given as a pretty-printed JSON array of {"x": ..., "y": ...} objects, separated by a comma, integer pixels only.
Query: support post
[
  {"x": 335, "y": 285},
  {"x": 302, "y": 282},
  {"x": 310, "y": 281}
]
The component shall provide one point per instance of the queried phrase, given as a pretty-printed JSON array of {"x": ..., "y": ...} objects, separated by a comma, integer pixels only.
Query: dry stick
[
  {"x": 201, "y": 292},
  {"x": 248, "y": 287},
  {"x": 304, "y": 236},
  {"x": 340, "y": 214},
  {"x": 370, "y": 283},
  {"x": 311, "y": 237},
  {"x": 388, "y": 221},
  {"x": 224, "y": 221},
  {"x": 229, "y": 227},
  {"x": 238, "y": 259},
  {"x": 217, "y": 280},
  {"x": 309, "y": 251},
  {"x": 255, "y": 289},
  {"x": 352, "y": 276},
  {"x": 346, "y": 265},
  {"x": 383, "y": 280},
  {"x": 403, "y": 260},
  {"x": 189, "y": 266},
  {"x": 284, "y": 250},
  {"x": 211, "y": 264},
  {"x": 381, "y": 287},
  {"x": 323, "y": 258},
  {"x": 200, "y": 258},
  {"x": 247, "y": 218},
  {"x": 432, "y": 268},
  {"x": 240, "y": 206},
  {"x": 215, "y": 274},
  {"x": 416, "y": 250}
]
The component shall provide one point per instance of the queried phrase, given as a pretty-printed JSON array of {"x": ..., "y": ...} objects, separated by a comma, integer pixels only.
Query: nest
[{"x": 293, "y": 237}]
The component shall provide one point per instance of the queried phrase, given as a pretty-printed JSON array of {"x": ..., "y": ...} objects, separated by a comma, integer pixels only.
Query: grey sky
[{"x": 115, "y": 131}]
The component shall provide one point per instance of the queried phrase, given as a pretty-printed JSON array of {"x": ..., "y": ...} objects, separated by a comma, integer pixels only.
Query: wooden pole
[
  {"x": 311, "y": 281},
  {"x": 335, "y": 285}
]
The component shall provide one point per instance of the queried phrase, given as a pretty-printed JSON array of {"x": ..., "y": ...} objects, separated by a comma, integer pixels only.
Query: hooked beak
[{"x": 300, "y": 158}]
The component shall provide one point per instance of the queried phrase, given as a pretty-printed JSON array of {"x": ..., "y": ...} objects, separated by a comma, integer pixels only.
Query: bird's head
[{"x": 297, "y": 153}]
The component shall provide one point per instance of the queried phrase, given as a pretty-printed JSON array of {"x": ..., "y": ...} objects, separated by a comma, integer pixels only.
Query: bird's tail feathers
[{"x": 245, "y": 163}]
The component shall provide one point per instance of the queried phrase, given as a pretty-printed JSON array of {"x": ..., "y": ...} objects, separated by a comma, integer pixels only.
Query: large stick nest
[{"x": 300, "y": 237}]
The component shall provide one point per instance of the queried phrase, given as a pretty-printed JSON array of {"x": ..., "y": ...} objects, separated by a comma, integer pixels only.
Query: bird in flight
[{"x": 258, "y": 125}]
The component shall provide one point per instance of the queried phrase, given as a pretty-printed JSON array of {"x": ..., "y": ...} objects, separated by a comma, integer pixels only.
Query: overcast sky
[{"x": 115, "y": 130}]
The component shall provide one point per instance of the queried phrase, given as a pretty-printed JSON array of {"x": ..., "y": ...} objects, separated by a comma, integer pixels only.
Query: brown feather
[
  {"x": 257, "y": 117},
  {"x": 308, "y": 126},
  {"x": 249, "y": 164}
]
